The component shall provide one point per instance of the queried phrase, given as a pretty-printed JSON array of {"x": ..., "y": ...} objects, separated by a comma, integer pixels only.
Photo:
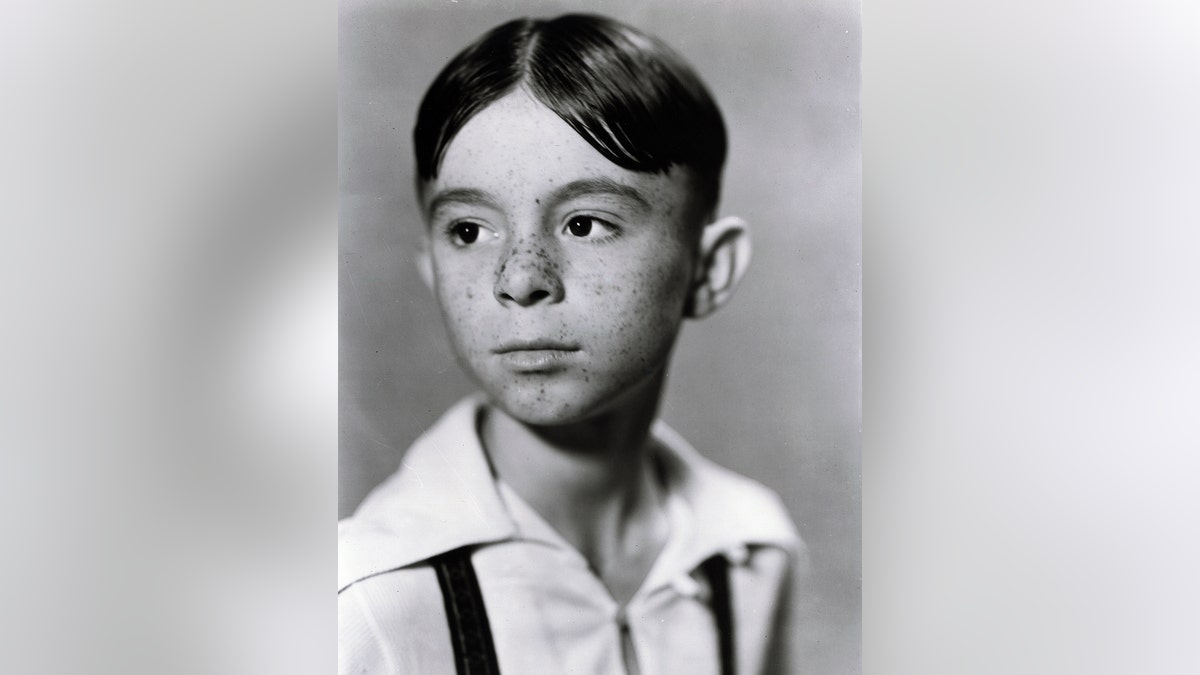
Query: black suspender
[
  {"x": 716, "y": 569},
  {"x": 471, "y": 636},
  {"x": 474, "y": 651}
]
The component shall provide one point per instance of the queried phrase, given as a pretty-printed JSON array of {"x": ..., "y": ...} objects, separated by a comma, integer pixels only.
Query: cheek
[
  {"x": 656, "y": 284},
  {"x": 458, "y": 294},
  {"x": 638, "y": 304}
]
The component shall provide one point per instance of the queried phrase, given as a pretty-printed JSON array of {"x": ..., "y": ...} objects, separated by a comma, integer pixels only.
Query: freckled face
[{"x": 561, "y": 276}]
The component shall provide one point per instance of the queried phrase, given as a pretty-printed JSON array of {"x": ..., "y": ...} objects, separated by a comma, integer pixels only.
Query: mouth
[
  {"x": 535, "y": 346},
  {"x": 536, "y": 355}
]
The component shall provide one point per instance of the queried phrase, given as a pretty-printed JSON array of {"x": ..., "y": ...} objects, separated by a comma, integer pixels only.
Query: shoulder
[
  {"x": 752, "y": 498},
  {"x": 395, "y": 595},
  {"x": 726, "y": 505},
  {"x": 367, "y": 548},
  {"x": 442, "y": 497},
  {"x": 394, "y": 622}
]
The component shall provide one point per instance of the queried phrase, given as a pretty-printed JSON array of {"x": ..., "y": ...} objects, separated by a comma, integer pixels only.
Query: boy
[{"x": 568, "y": 171}]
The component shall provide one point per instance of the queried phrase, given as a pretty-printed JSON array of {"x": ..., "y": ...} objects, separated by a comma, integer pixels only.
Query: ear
[
  {"x": 424, "y": 261},
  {"x": 724, "y": 258}
]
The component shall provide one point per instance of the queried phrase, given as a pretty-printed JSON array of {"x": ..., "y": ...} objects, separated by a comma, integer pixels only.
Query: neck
[{"x": 591, "y": 480}]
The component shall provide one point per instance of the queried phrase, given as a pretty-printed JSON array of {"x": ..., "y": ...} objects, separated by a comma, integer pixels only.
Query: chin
[
  {"x": 545, "y": 403},
  {"x": 565, "y": 397},
  {"x": 542, "y": 411},
  {"x": 551, "y": 403}
]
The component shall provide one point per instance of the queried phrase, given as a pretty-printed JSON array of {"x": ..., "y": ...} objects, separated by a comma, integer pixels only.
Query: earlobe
[
  {"x": 425, "y": 265},
  {"x": 724, "y": 258}
]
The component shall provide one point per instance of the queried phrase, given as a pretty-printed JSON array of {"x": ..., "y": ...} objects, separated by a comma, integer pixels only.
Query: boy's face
[{"x": 561, "y": 276}]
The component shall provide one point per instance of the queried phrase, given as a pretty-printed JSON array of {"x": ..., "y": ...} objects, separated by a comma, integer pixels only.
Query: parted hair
[{"x": 628, "y": 94}]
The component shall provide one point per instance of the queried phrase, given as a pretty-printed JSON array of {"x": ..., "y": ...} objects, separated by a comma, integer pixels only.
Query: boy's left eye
[{"x": 588, "y": 227}]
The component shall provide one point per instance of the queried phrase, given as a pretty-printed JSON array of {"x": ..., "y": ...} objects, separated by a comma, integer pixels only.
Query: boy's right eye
[{"x": 467, "y": 232}]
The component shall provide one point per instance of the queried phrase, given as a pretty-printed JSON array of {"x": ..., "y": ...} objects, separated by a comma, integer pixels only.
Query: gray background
[{"x": 770, "y": 386}]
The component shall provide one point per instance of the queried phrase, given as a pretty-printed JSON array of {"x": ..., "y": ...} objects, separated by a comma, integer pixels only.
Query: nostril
[{"x": 527, "y": 278}]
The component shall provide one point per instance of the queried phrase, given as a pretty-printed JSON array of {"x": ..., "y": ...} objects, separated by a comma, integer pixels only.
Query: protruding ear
[
  {"x": 724, "y": 258},
  {"x": 424, "y": 260}
]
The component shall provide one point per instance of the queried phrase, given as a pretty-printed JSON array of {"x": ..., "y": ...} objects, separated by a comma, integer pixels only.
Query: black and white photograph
[
  {"x": 599, "y": 338},
  {"x": 691, "y": 337}
]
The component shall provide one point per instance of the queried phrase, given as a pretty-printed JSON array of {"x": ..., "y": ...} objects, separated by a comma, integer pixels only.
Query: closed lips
[{"x": 535, "y": 345}]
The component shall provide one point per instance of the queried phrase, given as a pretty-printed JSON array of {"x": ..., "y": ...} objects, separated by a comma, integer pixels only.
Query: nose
[{"x": 529, "y": 274}]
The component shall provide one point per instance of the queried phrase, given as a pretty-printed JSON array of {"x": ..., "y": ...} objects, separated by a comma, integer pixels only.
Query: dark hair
[{"x": 627, "y": 94}]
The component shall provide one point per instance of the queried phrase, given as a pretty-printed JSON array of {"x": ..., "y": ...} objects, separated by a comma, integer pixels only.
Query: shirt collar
[
  {"x": 728, "y": 511},
  {"x": 444, "y": 497}
]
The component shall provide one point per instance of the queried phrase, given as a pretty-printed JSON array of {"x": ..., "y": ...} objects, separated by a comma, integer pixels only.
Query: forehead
[{"x": 517, "y": 150}]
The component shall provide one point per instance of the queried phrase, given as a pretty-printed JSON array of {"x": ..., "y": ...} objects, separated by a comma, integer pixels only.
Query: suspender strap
[
  {"x": 716, "y": 569},
  {"x": 474, "y": 652},
  {"x": 471, "y": 636}
]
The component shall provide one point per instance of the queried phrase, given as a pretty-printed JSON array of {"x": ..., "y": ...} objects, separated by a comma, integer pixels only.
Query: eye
[
  {"x": 589, "y": 227},
  {"x": 466, "y": 232}
]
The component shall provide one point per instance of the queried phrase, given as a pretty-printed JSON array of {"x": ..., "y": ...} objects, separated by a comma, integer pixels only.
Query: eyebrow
[
  {"x": 573, "y": 190},
  {"x": 600, "y": 186},
  {"x": 469, "y": 196}
]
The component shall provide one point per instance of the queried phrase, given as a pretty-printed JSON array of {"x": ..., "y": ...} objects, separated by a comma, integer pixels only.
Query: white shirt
[{"x": 548, "y": 611}]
